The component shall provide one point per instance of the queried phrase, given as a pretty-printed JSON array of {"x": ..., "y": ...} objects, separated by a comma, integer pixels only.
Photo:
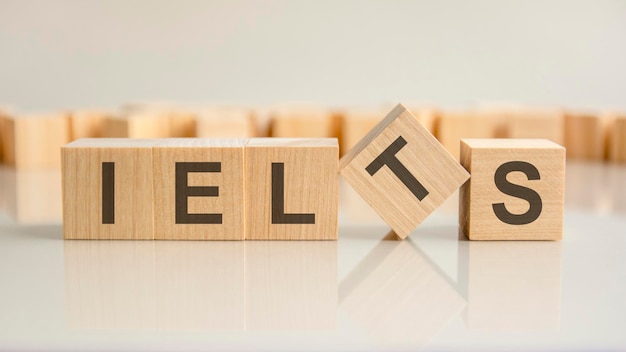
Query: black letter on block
[
  {"x": 183, "y": 191},
  {"x": 278, "y": 200},
  {"x": 388, "y": 157},
  {"x": 517, "y": 191},
  {"x": 108, "y": 193}
]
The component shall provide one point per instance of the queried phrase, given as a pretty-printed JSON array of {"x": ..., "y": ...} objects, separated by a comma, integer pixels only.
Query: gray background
[{"x": 70, "y": 53}]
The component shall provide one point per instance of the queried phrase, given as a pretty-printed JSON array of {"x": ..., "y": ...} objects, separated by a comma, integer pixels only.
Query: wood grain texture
[
  {"x": 229, "y": 153},
  {"x": 423, "y": 157},
  {"x": 82, "y": 168},
  {"x": 482, "y": 157},
  {"x": 309, "y": 168},
  {"x": 33, "y": 141},
  {"x": 617, "y": 138},
  {"x": 225, "y": 122},
  {"x": 585, "y": 135}
]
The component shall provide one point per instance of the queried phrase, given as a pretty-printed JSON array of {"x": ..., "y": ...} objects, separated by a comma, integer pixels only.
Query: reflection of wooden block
[
  {"x": 199, "y": 189},
  {"x": 87, "y": 123},
  {"x": 291, "y": 285},
  {"x": 401, "y": 170},
  {"x": 110, "y": 285},
  {"x": 32, "y": 196},
  {"x": 200, "y": 285},
  {"x": 305, "y": 122},
  {"x": 536, "y": 123},
  {"x": 107, "y": 189},
  {"x": 585, "y": 136},
  {"x": 617, "y": 139},
  {"x": 291, "y": 189},
  {"x": 514, "y": 286},
  {"x": 516, "y": 189},
  {"x": 452, "y": 126},
  {"x": 225, "y": 122},
  {"x": 144, "y": 124},
  {"x": 33, "y": 141}
]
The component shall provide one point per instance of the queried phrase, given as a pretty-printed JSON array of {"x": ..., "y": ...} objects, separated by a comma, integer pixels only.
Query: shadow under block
[
  {"x": 516, "y": 190},
  {"x": 291, "y": 189},
  {"x": 33, "y": 141},
  {"x": 401, "y": 170},
  {"x": 144, "y": 124},
  {"x": 225, "y": 122},
  {"x": 617, "y": 139},
  {"x": 108, "y": 189},
  {"x": 199, "y": 189},
  {"x": 585, "y": 136}
]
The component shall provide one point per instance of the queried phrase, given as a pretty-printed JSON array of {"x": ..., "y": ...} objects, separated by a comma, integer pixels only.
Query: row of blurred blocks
[{"x": 33, "y": 140}]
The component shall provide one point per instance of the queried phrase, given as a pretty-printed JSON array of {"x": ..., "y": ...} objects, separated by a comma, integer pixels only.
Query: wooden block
[
  {"x": 617, "y": 139},
  {"x": 585, "y": 136},
  {"x": 199, "y": 189},
  {"x": 514, "y": 286},
  {"x": 291, "y": 285},
  {"x": 401, "y": 170},
  {"x": 143, "y": 124},
  {"x": 182, "y": 123},
  {"x": 355, "y": 124},
  {"x": 536, "y": 123},
  {"x": 33, "y": 141},
  {"x": 225, "y": 122},
  {"x": 516, "y": 190},
  {"x": 291, "y": 189},
  {"x": 108, "y": 189},
  {"x": 182, "y": 120},
  {"x": 452, "y": 126},
  {"x": 87, "y": 123},
  {"x": 305, "y": 122}
]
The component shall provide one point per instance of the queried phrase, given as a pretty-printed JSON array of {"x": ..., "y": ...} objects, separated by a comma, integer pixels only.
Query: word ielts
[{"x": 287, "y": 189}]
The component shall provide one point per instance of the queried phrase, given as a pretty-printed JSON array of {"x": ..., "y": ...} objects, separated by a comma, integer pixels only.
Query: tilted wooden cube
[
  {"x": 199, "y": 189},
  {"x": 108, "y": 189},
  {"x": 516, "y": 189},
  {"x": 291, "y": 189},
  {"x": 402, "y": 171}
]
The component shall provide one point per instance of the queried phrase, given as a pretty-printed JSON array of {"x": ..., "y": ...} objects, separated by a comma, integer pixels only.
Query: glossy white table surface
[{"x": 363, "y": 292}]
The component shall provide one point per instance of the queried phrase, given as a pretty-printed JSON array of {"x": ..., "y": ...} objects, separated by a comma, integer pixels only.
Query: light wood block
[
  {"x": 143, "y": 124},
  {"x": 617, "y": 139},
  {"x": 199, "y": 189},
  {"x": 225, "y": 122},
  {"x": 401, "y": 170},
  {"x": 87, "y": 123},
  {"x": 585, "y": 135},
  {"x": 356, "y": 123},
  {"x": 516, "y": 190},
  {"x": 182, "y": 123},
  {"x": 536, "y": 123},
  {"x": 452, "y": 126},
  {"x": 301, "y": 121},
  {"x": 291, "y": 189},
  {"x": 33, "y": 141},
  {"x": 108, "y": 189}
]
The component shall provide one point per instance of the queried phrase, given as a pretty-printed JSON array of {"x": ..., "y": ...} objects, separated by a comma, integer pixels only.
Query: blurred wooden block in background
[
  {"x": 142, "y": 124},
  {"x": 526, "y": 123},
  {"x": 199, "y": 189},
  {"x": 617, "y": 138},
  {"x": 401, "y": 170},
  {"x": 291, "y": 189},
  {"x": 585, "y": 135},
  {"x": 452, "y": 126},
  {"x": 299, "y": 121},
  {"x": 356, "y": 123},
  {"x": 225, "y": 122},
  {"x": 182, "y": 123},
  {"x": 516, "y": 189},
  {"x": 87, "y": 123},
  {"x": 108, "y": 189},
  {"x": 33, "y": 141}
]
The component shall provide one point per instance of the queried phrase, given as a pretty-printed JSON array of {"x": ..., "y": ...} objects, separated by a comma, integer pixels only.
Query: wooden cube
[
  {"x": 199, "y": 189},
  {"x": 300, "y": 121},
  {"x": 356, "y": 123},
  {"x": 291, "y": 189},
  {"x": 33, "y": 141},
  {"x": 452, "y": 126},
  {"x": 536, "y": 123},
  {"x": 516, "y": 190},
  {"x": 585, "y": 135},
  {"x": 225, "y": 122},
  {"x": 108, "y": 189},
  {"x": 617, "y": 139},
  {"x": 142, "y": 124},
  {"x": 87, "y": 123},
  {"x": 401, "y": 170}
]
